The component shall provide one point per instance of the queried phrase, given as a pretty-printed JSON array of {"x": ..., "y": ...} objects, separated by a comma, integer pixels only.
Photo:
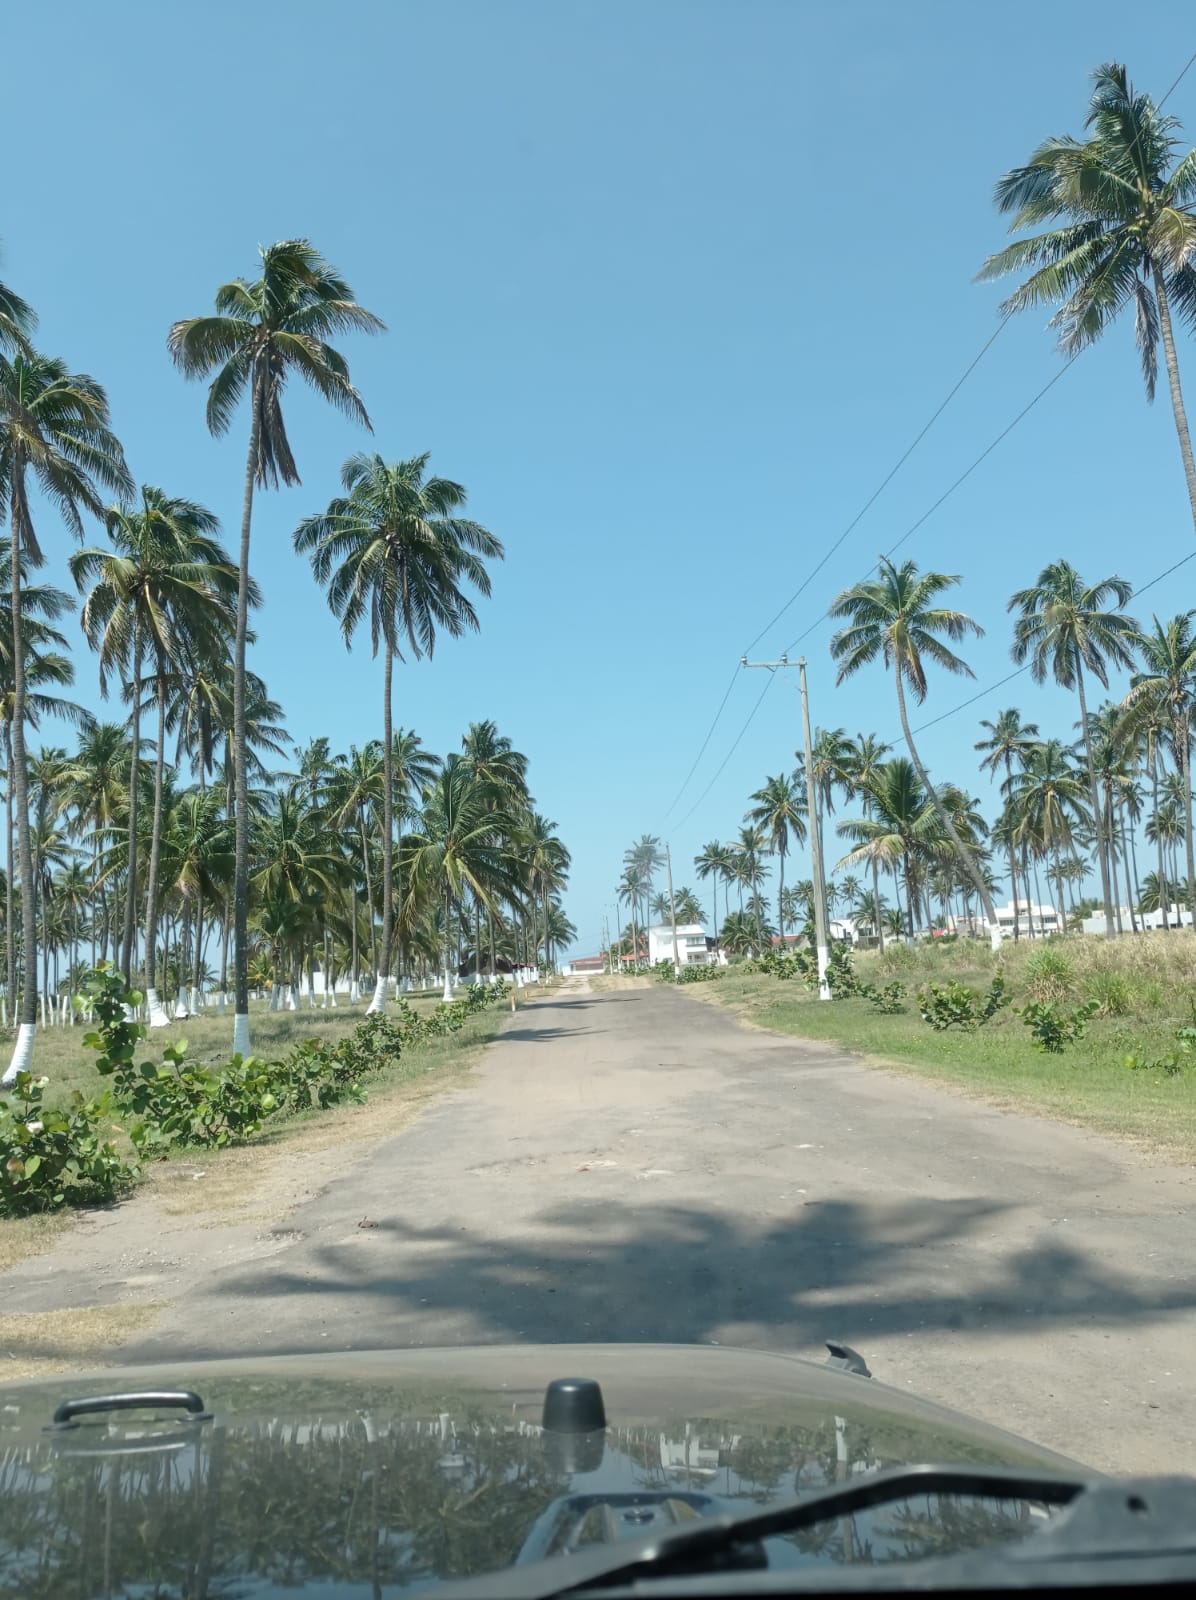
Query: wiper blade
[{"x": 1121, "y": 1524}]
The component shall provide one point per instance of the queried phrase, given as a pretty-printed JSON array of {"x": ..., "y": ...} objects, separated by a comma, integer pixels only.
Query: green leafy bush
[
  {"x": 1173, "y": 1062},
  {"x": 955, "y": 1005},
  {"x": 1054, "y": 1029},
  {"x": 60, "y": 1156},
  {"x": 887, "y": 1000}
]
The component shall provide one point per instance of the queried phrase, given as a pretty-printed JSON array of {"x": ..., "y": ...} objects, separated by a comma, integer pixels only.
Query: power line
[
  {"x": 705, "y": 742},
  {"x": 1009, "y": 677},
  {"x": 768, "y": 682},
  {"x": 963, "y": 477},
  {"x": 885, "y": 481}
]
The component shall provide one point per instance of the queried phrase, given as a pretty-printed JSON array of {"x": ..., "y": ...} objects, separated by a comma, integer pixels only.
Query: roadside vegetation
[{"x": 1130, "y": 1073}]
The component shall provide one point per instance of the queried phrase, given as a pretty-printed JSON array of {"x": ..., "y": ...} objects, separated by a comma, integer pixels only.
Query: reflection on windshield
[{"x": 265, "y": 1507}]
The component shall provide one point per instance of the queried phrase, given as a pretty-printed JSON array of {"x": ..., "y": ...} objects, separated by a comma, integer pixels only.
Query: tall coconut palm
[
  {"x": 165, "y": 593},
  {"x": 714, "y": 861},
  {"x": 894, "y": 618},
  {"x": 750, "y": 847},
  {"x": 1047, "y": 800},
  {"x": 54, "y": 433},
  {"x": 904, "y": 826},
  {"x": 18, "y": 320},
  {"x": 1009, "y": 739},
  {"x": 1124, "y": 233},
  {"x": 780, "y": 809},
  {"x": 862, "y": 759},
  {"x": 1065, "y": 627},
  {"x": 460, "y": 847},
  {"x": 394, "y": 549},
  {"x": 1166, "y": 687},
  {"x": 264, "y": 332},
  {"x": 493, "y": 758},
  {"x": 98, "y": 793}
]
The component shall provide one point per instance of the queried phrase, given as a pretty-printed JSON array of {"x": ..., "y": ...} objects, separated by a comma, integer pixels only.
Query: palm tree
[
  {"x": 904, "y": 826},
  {"x": 355, "y": 801},
  {"x": 54, "y": 430},
  {"x": 780, "y": 810},
  {"x": 394, "y": 549},
  {"x": 97, "y": 791},
  {"x": 1009, "y": 740},
  {"x": 749, "y": 847},
  {"x": 261, "y": 334},
  {"x": 459, "y": 848},
  {"x": 17, "y": 322},
  {"x": 648, "y": 858},
  {"x": 862, "y": 759},
  {"x": 689, "y": 907},
  {"x": 632, "y": 885},
  {"x": 1166, "y": 689},
  {"x": 493, "y": 758},
  {"x": 739, "y": 935},
  {"x": 896, "y": 619},
  {"x": 543, "y": 856},
  {"x": 1064, "y": 628},
  {"x": 1124, "y": 233},
  {"x": 714, "y": 861},
  {"x": 164, "y": 591},
  {"x": 1047, "y": 801}
]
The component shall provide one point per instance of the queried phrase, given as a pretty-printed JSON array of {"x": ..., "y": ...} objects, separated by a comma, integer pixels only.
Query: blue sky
[{"x": 670, "y": 286}]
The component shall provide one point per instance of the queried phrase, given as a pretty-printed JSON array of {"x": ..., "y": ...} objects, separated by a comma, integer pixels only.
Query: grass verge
[{"x": 1146, "y": 988}]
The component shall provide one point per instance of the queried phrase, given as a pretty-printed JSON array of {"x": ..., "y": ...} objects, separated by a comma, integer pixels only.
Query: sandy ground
[{"x": 631, "y": 1165}]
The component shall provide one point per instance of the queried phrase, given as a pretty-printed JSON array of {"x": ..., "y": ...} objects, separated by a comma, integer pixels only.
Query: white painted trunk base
[
  {"x": 220, "y": 1004},
  {"x": 994, "y": 936},
  {"x": 276, "y": 997},
  {"x": 180, "y": 1005},
  {"x": 157, "y": 1014},
  {"x": 378, "y": 1003},
  {"x": 241, "y": 1034},
  {"x": 290, "y": 1000},
  {"x": 354, "y": 992},
  {"x": 448, "y": 988},
  {"x": 22, "y": 1055}
]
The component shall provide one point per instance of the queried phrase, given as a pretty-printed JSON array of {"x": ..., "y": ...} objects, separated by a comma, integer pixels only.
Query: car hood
[{"x": 358, "y": 1473}]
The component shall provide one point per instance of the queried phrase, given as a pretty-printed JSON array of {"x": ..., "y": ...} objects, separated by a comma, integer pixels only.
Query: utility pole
[
  {"x": 668, "y": 859},
  {"x": 821, "y": 933}
]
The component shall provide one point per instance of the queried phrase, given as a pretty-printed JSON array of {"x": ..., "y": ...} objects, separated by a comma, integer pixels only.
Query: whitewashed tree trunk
[
  {"x": 241, "y": 1034},
  {"x": 276, "y": 997},
  {"x": 290, "y": 999},
  {"x": 448, "y": 987},
  {"x": 311, "y": 990},
  {"x": 22, "y": 1056},
  {"x": 180, "y": 1005},
  {"x": 157, "y": 1012},
  {"x": 220, "y": 1003},
  {"x": 354, "y": 992},
  {"x": 377, "y": 1005}
]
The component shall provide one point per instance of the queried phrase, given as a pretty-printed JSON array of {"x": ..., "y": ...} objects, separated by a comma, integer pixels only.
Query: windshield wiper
[{"x": 1133, "y": 1531}]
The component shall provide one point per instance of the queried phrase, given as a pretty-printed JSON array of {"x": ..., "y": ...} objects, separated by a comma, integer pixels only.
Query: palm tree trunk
[
  {"x": 880, "y": 932},
  {"x": 1017, "y": 932},
  {"x": 1177, "y": 398},
  {"x": 781, "y": 895},
  {"x": 241, "y": 1045},
  {"x": 158, "y": 1017},
  {"x": 129, "y": 938},
  {"x": 964, "y": 854},
  {"x": 1164, "y": 896},
  {"x": 378, "y": 1003},
  {"x": 369, "y": 895},
  {"x": 1097, "y": 814},
  {"x": 1130, "y": 849},
  {"x": 1185, "y": 759},
  {"x": 10, "y": 943},
  {"x": 1107, "y": 826},
  {"x": 22, "y": 1056}
]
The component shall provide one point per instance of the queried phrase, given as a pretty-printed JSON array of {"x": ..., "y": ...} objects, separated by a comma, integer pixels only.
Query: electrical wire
[{"x": 768, "y": 682}]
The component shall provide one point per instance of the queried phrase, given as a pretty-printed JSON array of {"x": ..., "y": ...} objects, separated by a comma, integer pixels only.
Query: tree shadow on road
[{"x": 630, "y": 1268}]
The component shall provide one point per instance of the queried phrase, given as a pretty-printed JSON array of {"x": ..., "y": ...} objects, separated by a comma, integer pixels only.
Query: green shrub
[
  {"x": 1052, "y": 1029},
  {"x": 1173, "y": 1062},
  {"x": 955, "y": 1005},
  {"x": 1049, "y": 974},
  {"x": 887, "y": 1000},
  {"x": 1112, "y": 993},
  {"x": 60, "y": 1156}
]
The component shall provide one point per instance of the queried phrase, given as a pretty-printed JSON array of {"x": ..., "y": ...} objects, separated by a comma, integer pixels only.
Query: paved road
[{"x": 638, "y": 1166}]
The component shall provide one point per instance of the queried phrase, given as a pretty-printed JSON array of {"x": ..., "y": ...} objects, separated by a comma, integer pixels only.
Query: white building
[
  {"x": 1150, "y": 920},
  {"x": 1032, "y": 920},
  {"x": 691, "y": 944}
]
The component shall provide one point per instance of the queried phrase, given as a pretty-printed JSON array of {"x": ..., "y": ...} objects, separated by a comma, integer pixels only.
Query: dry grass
[{"x": 40, "y": 1343}]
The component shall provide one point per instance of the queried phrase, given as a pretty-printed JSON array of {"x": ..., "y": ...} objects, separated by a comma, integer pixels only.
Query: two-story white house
[{"x": 691, "y": 944}]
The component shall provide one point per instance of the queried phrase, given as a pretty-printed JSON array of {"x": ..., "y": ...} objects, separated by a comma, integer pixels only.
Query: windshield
[{"x": 597, "y": 677}]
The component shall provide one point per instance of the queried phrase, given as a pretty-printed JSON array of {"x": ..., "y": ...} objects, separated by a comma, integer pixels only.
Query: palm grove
[
  {"x": 1076, "y": 804},
  {"x": 186, "y": 837}
]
